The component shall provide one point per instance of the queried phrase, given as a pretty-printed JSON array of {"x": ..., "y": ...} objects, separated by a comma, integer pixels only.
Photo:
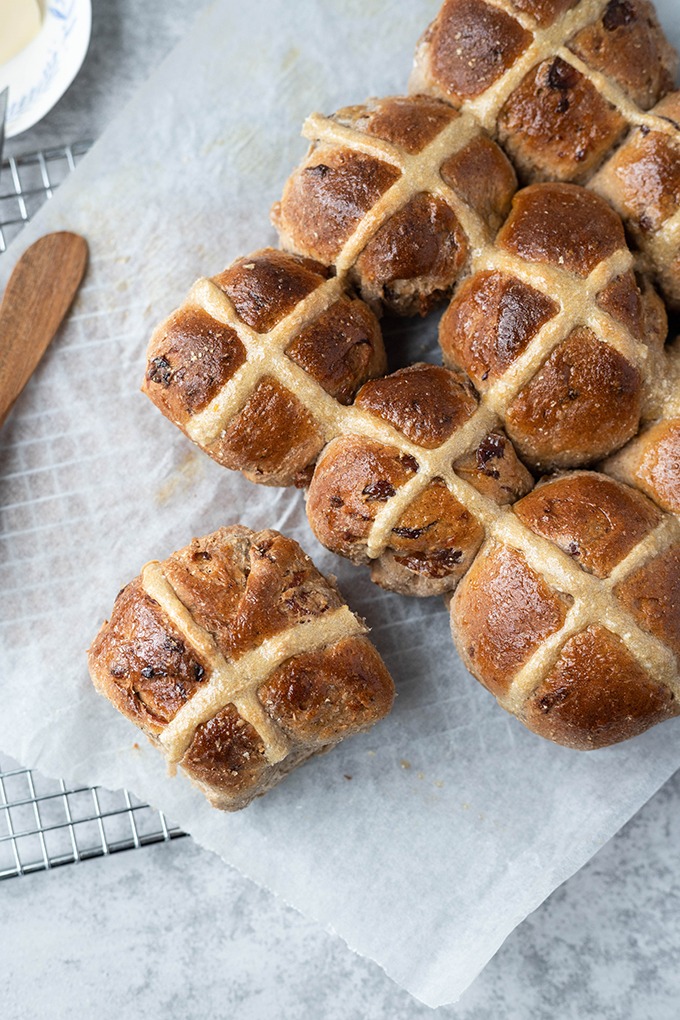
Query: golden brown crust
[
  {"x": 230, "y": 593},
  {"x": 328, "y": 197},
  {"x": 652, "y": 596},
  {"x": 621, "y": 299},
  {"x": 572, "y": 619},
  {"x": 545, "y": 11},
  {"x": 422, "y": 240},
  {"x": 227, "y": 757},
  {"x": 642, "y": 181},
  {"x": 501, "y": 613},
  {"x": 272, "y": 439},
  {"x": 592, "y": 518},
  {"x": 495, "y": 470},
  {"x": 559, "y": 87},
  {"x": 623, "y": 41},
  {"x": 312, "y": 696},
  {"x": 583, "y": 402},
  {"x": 597, "y": 695},
  {"x": 418, "y": 541},
  {"x": 556, "y": 125},
  {"x": 352, "y": 481},
  {"x": 410, "y": 125},
  {"x": 571, "y": 368},
  {"x": 217, "y": 366},
  {"x": 651, "y": 462},
  {"x": 190, "y": 358},
  {"x": 490, "y": 322},
  {"x": 424, "y": 402},
  {"x": 471, "y": 44},
  {"x": 384, "y": 216},
  {"x": 561, "y": 225},
  {"x": 141, "y": 663},
  {"x": 245, "y": 588},
  {"x": 341, "y": 349},
  {"x": 628, "y": 45},
  {"x": 233, "y": 794},
  {"x": 266, "y": 286},
  {"x": 484, "y": 179},
  {"x": 654, "y": 325},
  {"x": 435, "y": 539},
  {"x": 559, "y": 106}
]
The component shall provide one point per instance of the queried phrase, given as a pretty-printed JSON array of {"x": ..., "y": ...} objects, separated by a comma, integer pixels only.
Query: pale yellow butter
[{"x": 20, "y": 22}]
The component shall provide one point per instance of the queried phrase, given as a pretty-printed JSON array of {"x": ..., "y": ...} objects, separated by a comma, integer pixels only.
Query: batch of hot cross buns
[{"x": 530, "y": 182}]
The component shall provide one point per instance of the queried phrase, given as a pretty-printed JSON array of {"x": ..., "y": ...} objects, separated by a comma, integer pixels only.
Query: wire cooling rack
[
  {"x": 28, "y": 181},
  {"x": 43, "y": 822}
]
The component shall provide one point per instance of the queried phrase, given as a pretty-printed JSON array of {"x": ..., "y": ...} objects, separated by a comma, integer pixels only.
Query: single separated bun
[{"x": 240, "y": 661}]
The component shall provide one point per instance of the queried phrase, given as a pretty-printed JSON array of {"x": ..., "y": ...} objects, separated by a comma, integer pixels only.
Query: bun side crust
[
  {"x": 652, "y": 463},
  {"x": 596, "y": 695},
  {"x": 641, "y": 180}
]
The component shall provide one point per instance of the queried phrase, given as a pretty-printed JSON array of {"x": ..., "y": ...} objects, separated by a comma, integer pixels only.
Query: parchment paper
[{"x": 422, "y": 843}]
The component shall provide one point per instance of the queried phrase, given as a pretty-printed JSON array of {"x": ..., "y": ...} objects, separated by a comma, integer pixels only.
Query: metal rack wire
[
  {"x": 43, "y": 822},
  {"x": 26, "y": 182}
]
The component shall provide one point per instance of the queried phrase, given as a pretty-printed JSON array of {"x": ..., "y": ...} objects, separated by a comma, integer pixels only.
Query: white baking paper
[{"x": 422, "y": 843}]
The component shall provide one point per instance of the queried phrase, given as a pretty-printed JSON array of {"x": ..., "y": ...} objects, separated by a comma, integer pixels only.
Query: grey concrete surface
[{"x": 171, "y": 932}]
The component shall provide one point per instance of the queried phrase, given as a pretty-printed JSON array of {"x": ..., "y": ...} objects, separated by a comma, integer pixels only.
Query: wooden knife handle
[{"x": 40, "y": 292}]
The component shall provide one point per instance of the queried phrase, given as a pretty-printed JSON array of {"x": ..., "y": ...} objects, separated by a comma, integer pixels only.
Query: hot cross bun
[
  {"x": 257, "y": 359},
  {"x": 396, "y": 194},
  {"x": 558, "y": 82},
  {"x": 651, "y": 461},
  {"x": 642, "y": 181},
  {"x": 240, "y": 661},
  {"x": 559, "y": 336},
  {"x": 570, "y": 614},
  {"x": 412, "y": 485},
  {"x": 566, "y": 603}
]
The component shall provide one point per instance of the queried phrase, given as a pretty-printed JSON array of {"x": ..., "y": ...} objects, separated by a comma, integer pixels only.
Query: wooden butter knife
[{"x": 39, "y": 294}]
